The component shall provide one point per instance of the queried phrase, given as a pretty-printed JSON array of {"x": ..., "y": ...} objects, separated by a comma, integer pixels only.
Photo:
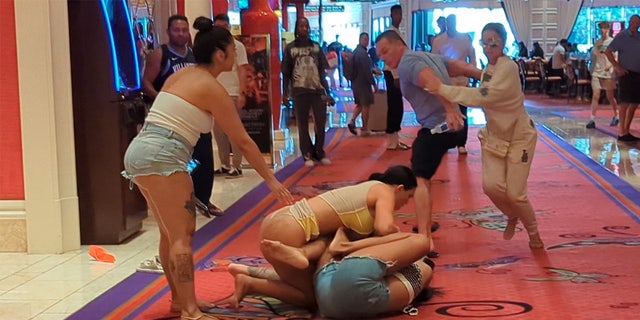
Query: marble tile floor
[{"x": 53, "y": 286}]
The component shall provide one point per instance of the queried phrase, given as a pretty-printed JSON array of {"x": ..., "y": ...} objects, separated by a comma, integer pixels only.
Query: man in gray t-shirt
[{"x": 431, "y": 111}]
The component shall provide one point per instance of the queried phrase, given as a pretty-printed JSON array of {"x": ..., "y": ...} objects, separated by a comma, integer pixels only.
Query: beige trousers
[{"x": 504, "y": 179}]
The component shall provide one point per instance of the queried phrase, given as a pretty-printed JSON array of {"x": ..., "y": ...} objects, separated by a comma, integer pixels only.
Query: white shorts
[{"x": 603, "y": 83}]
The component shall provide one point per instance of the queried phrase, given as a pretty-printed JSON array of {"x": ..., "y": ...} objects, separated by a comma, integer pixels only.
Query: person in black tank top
[
  {"x": 159, "y": 65},
  {"x": 170, "y": 63}
]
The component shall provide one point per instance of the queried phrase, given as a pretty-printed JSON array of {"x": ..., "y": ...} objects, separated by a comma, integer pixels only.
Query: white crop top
[{"x": 174, "y": 113}]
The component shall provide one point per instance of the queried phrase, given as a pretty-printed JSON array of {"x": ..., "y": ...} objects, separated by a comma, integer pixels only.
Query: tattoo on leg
[
  {"x": 190, "y": 205},
  {"x": 263, "y": 273},
  {"x": 184, "y": 267}
]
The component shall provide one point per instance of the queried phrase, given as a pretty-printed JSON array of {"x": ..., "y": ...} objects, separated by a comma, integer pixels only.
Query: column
[{"x": 51, "y": 201}]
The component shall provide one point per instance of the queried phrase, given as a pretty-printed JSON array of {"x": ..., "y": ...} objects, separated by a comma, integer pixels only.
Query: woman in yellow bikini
[{"x": 363, "y": 210}]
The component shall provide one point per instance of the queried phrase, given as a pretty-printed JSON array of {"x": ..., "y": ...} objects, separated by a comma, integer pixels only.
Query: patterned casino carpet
[{"x": 588, "y": 217}]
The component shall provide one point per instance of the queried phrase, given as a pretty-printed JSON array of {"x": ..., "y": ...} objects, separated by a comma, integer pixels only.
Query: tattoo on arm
[{"x": 183, "y": 267}]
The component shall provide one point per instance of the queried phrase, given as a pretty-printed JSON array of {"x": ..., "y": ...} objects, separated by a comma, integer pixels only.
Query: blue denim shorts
[
  {"x": 156, "y": 150},
  {"x": 352, "y": 288}
]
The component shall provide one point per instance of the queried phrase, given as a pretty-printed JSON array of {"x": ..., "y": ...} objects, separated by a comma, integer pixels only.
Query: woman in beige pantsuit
[{"x": 509, "y": 138}]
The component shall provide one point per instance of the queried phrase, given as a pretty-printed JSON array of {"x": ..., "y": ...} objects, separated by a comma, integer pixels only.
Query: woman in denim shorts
[
  {"x": 156, "y": 160},
  {"x": 371, "y": 277}
]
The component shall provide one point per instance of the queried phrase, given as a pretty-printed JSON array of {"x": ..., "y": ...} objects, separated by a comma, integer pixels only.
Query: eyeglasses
[{"x": 490, "y": 44}]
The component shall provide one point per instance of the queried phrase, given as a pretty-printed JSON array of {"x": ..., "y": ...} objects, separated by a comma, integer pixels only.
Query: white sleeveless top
[{"x": 174, "y": 113}]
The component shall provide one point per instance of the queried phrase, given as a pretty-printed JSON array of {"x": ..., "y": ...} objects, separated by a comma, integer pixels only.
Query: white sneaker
[
  {"x": 364, "y": 133},
  {"x": 151, "y": 265},
  {"x": 309, "y": 163},
  {"x": 325, "y": 161}
]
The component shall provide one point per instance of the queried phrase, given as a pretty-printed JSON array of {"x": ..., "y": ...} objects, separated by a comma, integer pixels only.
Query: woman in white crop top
[
  {"x": 509, "y": 138},
  {"x": 309, "y": 224},
  {"x": 156, "y": 160}
]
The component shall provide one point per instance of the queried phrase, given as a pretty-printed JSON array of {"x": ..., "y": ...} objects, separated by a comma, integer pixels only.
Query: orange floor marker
[{"x": 100, "y": 254}]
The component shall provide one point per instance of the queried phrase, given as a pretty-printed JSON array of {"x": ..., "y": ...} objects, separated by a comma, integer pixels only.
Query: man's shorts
[
  {"x": 352, "y": 288},
  {"x": 428, "y": 150},
  {"x": 603, "y": 83},
  {"x": 630, "y": 87},
  {"x": 362, "y": 95}
]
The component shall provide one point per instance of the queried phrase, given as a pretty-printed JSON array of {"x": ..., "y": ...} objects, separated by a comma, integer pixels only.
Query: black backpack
[{"x": 348, "y": 65}]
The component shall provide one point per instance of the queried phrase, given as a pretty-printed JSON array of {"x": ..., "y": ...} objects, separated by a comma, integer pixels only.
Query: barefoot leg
[
  {"x": 255, "y": 272},
  {"x": 510, "y": 229},
  {"x": 284, "y": 253},
  {"x": 535, "y": 242},
  {"x": 242, "y": 283}
]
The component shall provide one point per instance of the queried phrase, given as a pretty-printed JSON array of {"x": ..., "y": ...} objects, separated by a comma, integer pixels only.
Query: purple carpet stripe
[
  {"x": 616, "y": 182},
  {"x": 111, "y": 299}
]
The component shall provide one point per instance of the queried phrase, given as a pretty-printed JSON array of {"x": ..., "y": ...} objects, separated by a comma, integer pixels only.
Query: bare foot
[
  {"x": 284, "y": 253},
  {"x": 510, "y": 229},
  {"x": 535, "y": 242},
  {"x": 202, "y": 305},
  {"x": 254, "y": 272},
  {"x": 340, "y": 243},
  {"x": 238, "y": 268},
  {"x": 242, "y": 288}
]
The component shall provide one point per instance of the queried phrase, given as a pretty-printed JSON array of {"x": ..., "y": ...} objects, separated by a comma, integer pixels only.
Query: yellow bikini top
[{"x": 350, "y": 203}]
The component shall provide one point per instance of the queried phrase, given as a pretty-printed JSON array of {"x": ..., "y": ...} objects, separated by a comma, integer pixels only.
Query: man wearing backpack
[
  {"x": 304, "y": 68},
  {"x": 159, "y": 65},
  {"x": 359, "y": 72}
]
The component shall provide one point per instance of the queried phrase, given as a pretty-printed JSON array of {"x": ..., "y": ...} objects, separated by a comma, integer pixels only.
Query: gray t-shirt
[{"x": 429, "y": 110}]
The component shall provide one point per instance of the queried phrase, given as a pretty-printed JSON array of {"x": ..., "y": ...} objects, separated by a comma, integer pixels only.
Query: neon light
[
  {"x": 114, "y": 58},
  {"x": 118, "y": 82},
  {"x": 133, "y": 46}
]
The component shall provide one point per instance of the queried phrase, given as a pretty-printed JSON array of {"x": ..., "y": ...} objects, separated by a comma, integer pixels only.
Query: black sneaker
[
  {"x": 591, "y": 124},
  {"x": 352, "y": 128},
  {"x": 234, "y": 173},
  {"x": 221, "y": 171},
  {"x": 628, "y": 138}
]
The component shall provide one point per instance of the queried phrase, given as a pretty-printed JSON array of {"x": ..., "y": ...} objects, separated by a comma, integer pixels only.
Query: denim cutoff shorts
[
  {"x": 156, "y": 150},
  {"x": 352, "y": 288}
]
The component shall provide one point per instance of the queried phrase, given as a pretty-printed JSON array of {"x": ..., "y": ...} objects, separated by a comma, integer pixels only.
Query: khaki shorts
[{"x": 603, "y": 83}]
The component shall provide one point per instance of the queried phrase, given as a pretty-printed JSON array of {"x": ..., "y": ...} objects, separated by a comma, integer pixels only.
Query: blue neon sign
[{"x": 124, "y": 54}]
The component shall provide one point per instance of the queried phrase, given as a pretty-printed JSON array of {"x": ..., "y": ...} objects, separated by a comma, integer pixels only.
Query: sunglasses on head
[{"x": 491, "y": 44}]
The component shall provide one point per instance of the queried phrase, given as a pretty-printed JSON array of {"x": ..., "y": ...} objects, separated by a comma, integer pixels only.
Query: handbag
[{"x": 492, "y": 144}]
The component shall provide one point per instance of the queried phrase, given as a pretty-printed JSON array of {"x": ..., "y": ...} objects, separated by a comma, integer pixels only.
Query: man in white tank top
[{"x": 456, "y": 45}]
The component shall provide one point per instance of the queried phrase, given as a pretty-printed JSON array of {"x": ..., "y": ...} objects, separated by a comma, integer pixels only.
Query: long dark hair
[
  {"x": 295, "y": 29},
  {"x": 209, "y": 39},
  {"x": 397, "y": 175}
]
